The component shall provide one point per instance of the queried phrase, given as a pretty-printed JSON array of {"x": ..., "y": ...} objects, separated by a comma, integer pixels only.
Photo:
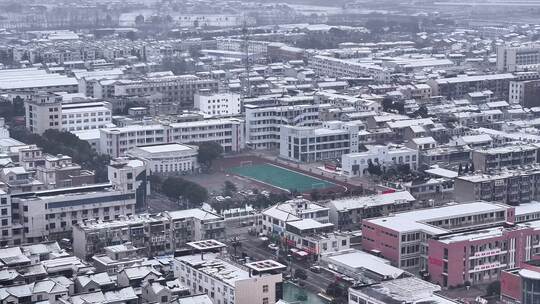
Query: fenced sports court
[{"x": 280, "y": 177}]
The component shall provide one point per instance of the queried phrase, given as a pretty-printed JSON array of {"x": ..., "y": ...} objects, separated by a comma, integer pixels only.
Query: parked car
[
  {"x": 273, "y": 247},
  {"x": 316, "y": 269}
]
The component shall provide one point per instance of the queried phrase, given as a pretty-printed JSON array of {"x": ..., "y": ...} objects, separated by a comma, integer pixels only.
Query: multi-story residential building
[
  {"x": 168, "y": 158},
  {"x": 51, "y": 214},
  {"x": 336, "y": 67},
  {"x": 459, "y": 86},
  {"x": 308, "y": 237},
  {"x": 403, "y": 238},
  {"x": 87, "y": 79},
  {"x": 48, "y": 171},
  {"x": 130, "y": 175},
  {"x": 258, "y": 47},
  {"x": 357, "y": 164},
  {"x": 158, "y": 234},
  {"x": 227, "y": 132},
  {"x": 177, "y": 88},
  {"x": 273, "y": 220},
  {"x": 479, "y": 256},
  {"x": 349, "y": 212},
  {"x": 59, "y": 172},
  {"x": 86, "y": 115},
  {"x": 227, "y": 282},
  {"x": 525, "y": 93},
  {"x": 18, "y": 179},
  {"x": 495, "y": 158},
  {"x": 6, "y": 226},
  {"x": 313, "y": 144},
  {"x": 518, "y": 58},
  {"x": 510, "y": 187},
  {"x": 446, "y": 155},
  {"x": 263, "y": 124},
  {"x": 219, "y": 104},
  {"x": 43, "y": 112}
]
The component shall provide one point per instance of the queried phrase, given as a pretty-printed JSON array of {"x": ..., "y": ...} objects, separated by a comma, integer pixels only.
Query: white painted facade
[
  {"x": 312, "y": 144},
  {"x": 170, "y": 158},
  {"x": 229, "y": 133},
  {"x": 356, "y": 164},
  {"x": 218, "y": 103},
  {"x": 263, "y": 124}
]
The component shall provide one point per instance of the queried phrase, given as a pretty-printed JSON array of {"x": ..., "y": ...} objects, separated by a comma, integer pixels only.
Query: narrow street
[{"x": 256, "y": 250}]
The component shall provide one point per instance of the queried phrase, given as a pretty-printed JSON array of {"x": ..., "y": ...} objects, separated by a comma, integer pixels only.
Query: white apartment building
[
  {"x": 51, "y": 214},
  {"x": 312, "y": 238},
  {"x": 170, "y": 158},
  {"x": 156, "y": 234},
  {"x": 336, "y": 67},
  {"x": 130, "y": 175},
  {"x": 218, "y": 103},
  {"x": 6, "y": 235},
  {"x": 356, "y": 164},
  {"x": 226, "y": 282},
  {"x": 42, "y": 112},
  {"x": 46, "y": 111},
  {"x": 516, "y": 93},
  {"x": 274, "y": 219},
  {"x": 238, "y": 45},
  {"x": 86, "y": 116},
  {"x": 218, "y": 20},
  {"x": 312, "y": 144},
  {"x": 227, "y": 132},
  {"x": 263, "y": 124},
  {"x": 518, "y": 58},
  {"x": 180, "y": 88}
]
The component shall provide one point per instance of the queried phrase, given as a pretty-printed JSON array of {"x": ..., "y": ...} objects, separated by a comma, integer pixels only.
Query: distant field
[{"x": 281, "y": 178}]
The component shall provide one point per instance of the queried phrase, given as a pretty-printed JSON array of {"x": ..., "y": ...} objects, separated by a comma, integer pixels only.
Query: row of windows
[{"x": 86, "y": 114}]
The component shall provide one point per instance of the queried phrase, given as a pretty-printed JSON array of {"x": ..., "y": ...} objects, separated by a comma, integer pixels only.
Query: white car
[{"x": 273, "y": 247}]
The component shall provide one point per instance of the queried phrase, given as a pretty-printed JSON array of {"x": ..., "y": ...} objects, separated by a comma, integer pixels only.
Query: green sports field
[{"x": 281, "y": 178}]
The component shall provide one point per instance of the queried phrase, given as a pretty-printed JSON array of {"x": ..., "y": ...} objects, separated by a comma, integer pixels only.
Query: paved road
[{"x": 255, "y": 249}]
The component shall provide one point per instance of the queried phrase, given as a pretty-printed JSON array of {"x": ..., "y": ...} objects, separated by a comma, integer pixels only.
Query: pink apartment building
[
  {"x": 403, "y": 237},
  {"x": 480, "y": 256}
]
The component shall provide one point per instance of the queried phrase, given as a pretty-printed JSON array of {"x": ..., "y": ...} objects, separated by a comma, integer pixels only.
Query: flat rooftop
[
  {"x": 351, "y": 203},
  {"x": 416, "y": 220},
  {"x": 306, "y": 224},
  {"x": 405, "y": 290},
  {"x": 265, "y": 265},
  {"x": 192, "y": 213},
  {"x": 166, "y": 148},
  {"x": 360, "y": 260},
  {"x": 206, "y": 245},
  {"x": 213, "y": 266}
]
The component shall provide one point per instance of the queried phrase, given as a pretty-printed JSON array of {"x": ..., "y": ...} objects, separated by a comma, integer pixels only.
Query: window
[
  {"x": 265, "y": 300},
  {"x": 164, "y": 299},
  {"x": 265, "y": 288}
]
